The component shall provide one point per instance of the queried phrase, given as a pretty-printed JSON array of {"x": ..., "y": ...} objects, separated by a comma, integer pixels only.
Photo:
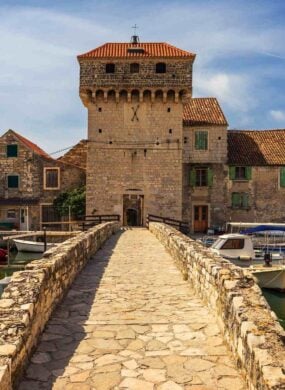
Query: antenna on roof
[{"x": 135, "y": 38}]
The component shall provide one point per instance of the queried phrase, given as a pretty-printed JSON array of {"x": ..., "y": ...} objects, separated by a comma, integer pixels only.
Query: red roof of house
[
  {"x": 203, "y": 112},
  {"x": 256, "y": 147},
  {"x": 149, "y": 50},
  {"x": 35, "y": 148}
]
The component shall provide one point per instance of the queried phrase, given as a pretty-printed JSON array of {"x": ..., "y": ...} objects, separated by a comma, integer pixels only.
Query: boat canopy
[{"x": 264, "y": 228}]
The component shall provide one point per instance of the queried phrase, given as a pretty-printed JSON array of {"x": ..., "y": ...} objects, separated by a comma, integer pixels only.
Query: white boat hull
[
  {"x": 32, "y": 246},
  {"x": 273, "y": 278}
]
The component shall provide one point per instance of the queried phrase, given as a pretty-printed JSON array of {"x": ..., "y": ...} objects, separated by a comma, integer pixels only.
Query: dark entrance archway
[
  {"x": 132, "y": 217},
  {"x": 133, "y": 210}
]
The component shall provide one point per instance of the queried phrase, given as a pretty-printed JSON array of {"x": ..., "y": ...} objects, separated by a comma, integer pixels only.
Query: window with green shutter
[
  {"x": 201, "y": 177},
  {"x": 201, "y": 140},
  {"x": 240, "y": 173},
  {"x": 240, "y": 200},
  {"x": 236, "y": 199},
  {"x": 13, "y": 181},
  {"x": 12, "y": 150},
  {"x": 282, "y": 177}
]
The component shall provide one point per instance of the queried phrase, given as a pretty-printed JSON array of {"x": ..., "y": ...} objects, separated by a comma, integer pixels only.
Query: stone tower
[{"x": 135, "y": 94}]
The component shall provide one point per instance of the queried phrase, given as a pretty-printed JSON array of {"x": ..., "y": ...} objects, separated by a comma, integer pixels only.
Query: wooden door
[{"x": 200, "y": 219}]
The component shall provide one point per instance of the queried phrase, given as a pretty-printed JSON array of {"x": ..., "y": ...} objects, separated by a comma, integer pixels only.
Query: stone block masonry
[
  {"x": 32, "y": 294},
  {"x": 249, "y": 327}
]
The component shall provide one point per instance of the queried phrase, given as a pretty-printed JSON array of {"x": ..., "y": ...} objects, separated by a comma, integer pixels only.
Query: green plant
[{"x": 72, "y": 201}]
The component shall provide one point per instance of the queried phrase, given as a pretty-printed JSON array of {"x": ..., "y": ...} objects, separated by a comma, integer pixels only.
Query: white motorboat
[
  {"x": 32, "y": 246},
  {"x": 270, "y": 277},
  {"x": 234, "y": 246}
]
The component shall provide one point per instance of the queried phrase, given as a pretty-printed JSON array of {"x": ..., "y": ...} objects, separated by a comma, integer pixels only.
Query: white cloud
[
  {"x": 233, "y": 90},
  {"x": 277, "y": 115}
]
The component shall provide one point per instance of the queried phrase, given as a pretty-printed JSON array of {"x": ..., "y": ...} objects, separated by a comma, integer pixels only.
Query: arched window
[
  {"x": 110, "y": 68},
  {"x": 134, "y": 67},
  {"x": 160, "y": 67}
]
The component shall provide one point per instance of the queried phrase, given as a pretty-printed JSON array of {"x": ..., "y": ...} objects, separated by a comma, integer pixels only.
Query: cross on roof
[{"x": 135, "y": 27}]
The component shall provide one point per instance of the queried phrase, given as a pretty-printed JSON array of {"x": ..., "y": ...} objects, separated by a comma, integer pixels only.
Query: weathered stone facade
[
  {"x": 29, "y": 165},
  {"x": 135, "y": 135},
  {"x": 143, "y": 157}
]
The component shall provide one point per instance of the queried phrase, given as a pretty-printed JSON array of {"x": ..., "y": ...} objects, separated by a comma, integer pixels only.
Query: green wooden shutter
[
  {"x": 236, "y": 199},
  {"x": 193, "y": 177},
  {"x": 232, "y": 173},
  {"x": 282, "y": 176},
  {"x": 245, "y": 200},
  {"x": 205, "y": 140},
  {"x": 197, "y": 140},
  {"x": 210, "y": 177},
  {"x": 248, "y": 173}
]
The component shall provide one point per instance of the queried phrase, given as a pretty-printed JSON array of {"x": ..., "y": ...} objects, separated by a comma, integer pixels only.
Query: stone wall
[
  {"x": 138, "y": 155},
  {"x": 266, "y": 197},
  {"x": 77, "y": 155},
  {"x": 249, "y": 327},
  {"x": 93, "y": 73},
  {"x": 29, "y": 166},
  {"x": 32, "y": 294}
]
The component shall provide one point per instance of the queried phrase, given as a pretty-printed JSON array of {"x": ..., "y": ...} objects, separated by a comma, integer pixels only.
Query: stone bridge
[{"x": 149, "y": 310}]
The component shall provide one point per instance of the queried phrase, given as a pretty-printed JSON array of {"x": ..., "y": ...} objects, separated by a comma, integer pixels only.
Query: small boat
[
  {"x": 234, "y": 246},
  {"x": 270, "y": 277},
  {"x": 32, "y": 246},
  {"x": 240, "y": 247}
]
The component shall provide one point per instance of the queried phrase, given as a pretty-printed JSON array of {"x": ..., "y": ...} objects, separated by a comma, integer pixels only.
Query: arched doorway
[
  {"x": 132, "y": 217},
  {"x": 133, "y": 210}
]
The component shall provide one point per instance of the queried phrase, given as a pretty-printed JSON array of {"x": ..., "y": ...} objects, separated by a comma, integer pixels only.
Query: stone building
[
  {"x": 30, "y": 180},
  {"x": 154, "y": 149},
  {"x": 256, "y": 180}
]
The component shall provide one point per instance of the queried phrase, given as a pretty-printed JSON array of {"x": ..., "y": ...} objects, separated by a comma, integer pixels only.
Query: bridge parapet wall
[
  {"x": 250, "y": 328},
  {"x": 32, "y": 294}
]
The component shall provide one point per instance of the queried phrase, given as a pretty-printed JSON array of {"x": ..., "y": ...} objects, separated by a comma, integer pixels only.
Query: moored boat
[
  {"x": 32, "y": 246},
  {"x": 270, "y": 277}
]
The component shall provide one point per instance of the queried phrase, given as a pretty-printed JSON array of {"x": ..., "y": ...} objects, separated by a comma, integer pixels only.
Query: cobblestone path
[{"x": 130, "y": 322}]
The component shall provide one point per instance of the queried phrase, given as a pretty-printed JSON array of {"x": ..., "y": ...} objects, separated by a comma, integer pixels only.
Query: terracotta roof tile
[
  {"x": 256, "y": 147},
  {"x": 203, "y": 112},
  {"x": 35, "y": 148},
  {"x": 150, "y": 50},
  {"x": 77, "y": 155}
]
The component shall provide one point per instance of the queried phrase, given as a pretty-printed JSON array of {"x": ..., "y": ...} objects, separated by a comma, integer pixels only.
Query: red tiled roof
[
  {"x": 35, "y": 148},
  {"x": 203, "y": 112},
  {"x": 77, "y": 155},
  {"x": 150, "y": 50},
  {"x": 256, "y": 147}
]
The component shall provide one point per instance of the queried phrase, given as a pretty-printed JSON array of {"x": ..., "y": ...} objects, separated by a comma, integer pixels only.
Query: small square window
[
  {"x": 13, "y": 181},
  {"x": 169, "y": 109},
  {"x": 160, "y": 67},
  {"x": 51, "y": 178},
  {"x": 134, "y": 68},
  {"x": 110, "y": 68},
  {"x": 11, "y": 214},
  {"x": 100, "y": 109},
  {"x": 12, "y": 150}
]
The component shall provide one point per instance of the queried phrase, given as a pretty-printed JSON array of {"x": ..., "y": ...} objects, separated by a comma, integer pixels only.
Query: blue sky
[{"x": 239, "y": 45}]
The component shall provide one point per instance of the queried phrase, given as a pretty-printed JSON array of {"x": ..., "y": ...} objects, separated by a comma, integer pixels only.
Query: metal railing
[
  {"x": 183, "y": 227},
  {"x": 92, "y": 220}
]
